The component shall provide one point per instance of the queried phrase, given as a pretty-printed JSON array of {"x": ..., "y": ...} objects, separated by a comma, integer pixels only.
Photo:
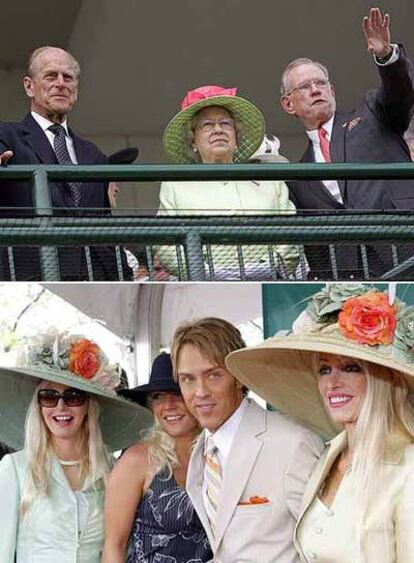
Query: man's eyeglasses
[
  {"x": 207, "y": 125},
  {"x": 49, "y": 398},
  {"x": 305, "y": 87}
]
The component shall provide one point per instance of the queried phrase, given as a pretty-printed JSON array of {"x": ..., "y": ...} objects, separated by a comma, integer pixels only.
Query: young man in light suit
[{"x": 261, "y": 460}]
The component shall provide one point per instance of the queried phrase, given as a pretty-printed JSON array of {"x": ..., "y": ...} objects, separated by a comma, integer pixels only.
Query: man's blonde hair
[{"x": 215, "y": 338}]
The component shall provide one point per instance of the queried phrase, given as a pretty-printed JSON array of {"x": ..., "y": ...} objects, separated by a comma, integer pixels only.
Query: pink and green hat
[{"x": 243, "y": 111}]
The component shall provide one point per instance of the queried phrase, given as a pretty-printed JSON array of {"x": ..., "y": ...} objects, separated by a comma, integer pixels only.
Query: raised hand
[{"x": 377, "y": 33}]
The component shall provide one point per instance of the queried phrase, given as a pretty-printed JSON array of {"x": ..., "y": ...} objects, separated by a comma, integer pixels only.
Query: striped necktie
[
  {"x": 214, "y": 477},
  {"x": 63, "y": 157}
]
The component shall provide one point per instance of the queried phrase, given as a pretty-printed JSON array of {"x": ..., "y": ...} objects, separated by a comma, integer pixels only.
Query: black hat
[
  {"x": 161, "y": 379},
  {"x": 124, "y": 156}
]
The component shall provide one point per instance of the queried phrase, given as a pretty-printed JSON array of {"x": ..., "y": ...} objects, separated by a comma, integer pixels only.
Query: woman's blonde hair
[
  {"x": 386, "y": 420},
  {"x": 161, "y": 450},
  {"x": 95, "y": 459}
]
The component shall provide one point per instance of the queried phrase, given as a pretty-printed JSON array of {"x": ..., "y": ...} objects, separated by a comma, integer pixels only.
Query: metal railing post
[
  {"x": 194, "y": 253},
  {"x": 49, "y": 262}
]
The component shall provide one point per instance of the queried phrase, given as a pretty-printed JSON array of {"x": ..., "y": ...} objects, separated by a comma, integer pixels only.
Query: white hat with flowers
[
  {"x": 349, "y": 319},
  {"x": 75, "y": 361}
]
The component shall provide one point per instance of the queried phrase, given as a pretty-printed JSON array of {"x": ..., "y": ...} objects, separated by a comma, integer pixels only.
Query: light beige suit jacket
[
  {"x": 388, "y": 534},
  {"x": 271, "y": 457}
]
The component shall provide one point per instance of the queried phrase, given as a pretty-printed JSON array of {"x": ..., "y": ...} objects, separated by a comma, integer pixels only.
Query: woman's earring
[{"x": 195, "y": 149}]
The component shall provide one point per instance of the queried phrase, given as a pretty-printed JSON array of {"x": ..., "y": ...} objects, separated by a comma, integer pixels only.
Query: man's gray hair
[
  {"x": 299, "y": 62},
  {"x": 31, "y": 66}
]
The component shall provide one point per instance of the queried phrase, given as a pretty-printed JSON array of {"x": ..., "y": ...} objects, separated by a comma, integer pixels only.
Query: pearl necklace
[{"x": 69, "y": 463}]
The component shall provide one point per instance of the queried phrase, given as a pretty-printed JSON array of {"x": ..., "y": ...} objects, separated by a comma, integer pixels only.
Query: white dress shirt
[
  {"x": 223, "y": 439},
  {"x": 331, "y": 185},
  {"x": 45, "y": 124}
]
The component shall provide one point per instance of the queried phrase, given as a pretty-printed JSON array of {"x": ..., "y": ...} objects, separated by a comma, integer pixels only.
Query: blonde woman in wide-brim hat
[
  {"x": 347, "y": 370},
  {"x": 216, "y": 126},
  {"x": 62, "y": 407}
]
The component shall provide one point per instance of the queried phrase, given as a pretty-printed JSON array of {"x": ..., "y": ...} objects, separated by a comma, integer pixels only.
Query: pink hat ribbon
[{"x": 205, "y": 92}]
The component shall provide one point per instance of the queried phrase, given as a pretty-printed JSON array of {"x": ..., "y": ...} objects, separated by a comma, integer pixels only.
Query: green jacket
[
  {"x": 229, "y": 198},
  {"x": 49, "y": 532}
]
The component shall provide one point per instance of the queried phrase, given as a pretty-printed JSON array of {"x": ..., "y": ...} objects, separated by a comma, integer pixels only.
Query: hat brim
[
  {"x": 120, "y": 420},
  {"x": 139, "y": 394},
  {"x": 124, "y": 156},
  {"x": 244, "y": 111},
  {"x": 280, "y": 371}
]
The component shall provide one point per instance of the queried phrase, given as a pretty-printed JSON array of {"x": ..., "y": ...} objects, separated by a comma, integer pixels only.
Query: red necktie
[{"x": 322, "y": 134}]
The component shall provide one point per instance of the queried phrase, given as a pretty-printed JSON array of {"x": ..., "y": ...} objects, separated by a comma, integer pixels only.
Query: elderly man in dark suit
[
  {"x": 371, "y": 133},
  {"x": 43, "y": 137}
]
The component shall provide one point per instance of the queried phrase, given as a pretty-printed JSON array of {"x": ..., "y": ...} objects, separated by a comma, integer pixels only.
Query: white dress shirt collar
[
  {"x": 224, "y": 436},
  {"x": 45, "y": 123},
  {"x": 328, "y": 126}
]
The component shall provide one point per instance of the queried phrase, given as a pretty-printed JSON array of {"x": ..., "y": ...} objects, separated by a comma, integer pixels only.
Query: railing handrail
[
  {"x": 318, "y": 227},
  {"x": 50, "y": 230},
  {"x": 188, "y": 172}
]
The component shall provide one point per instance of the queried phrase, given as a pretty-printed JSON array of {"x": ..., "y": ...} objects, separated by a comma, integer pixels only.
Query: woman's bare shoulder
[{"x": 136, "y": 453}]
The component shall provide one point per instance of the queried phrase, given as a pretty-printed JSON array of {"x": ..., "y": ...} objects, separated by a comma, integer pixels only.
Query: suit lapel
[
  {"x": 35, "y": 137},
  {"x": 194, "y": 485},
  {"x": 318, "y": 187},
  {"x": 239, "y": 465},
  {"x": 337, "y": 445}
]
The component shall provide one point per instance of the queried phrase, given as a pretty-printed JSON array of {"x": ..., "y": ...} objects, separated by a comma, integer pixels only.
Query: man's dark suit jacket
[
  {"x": 371, "y": 133},
  {"x": 31, "y": 146}
]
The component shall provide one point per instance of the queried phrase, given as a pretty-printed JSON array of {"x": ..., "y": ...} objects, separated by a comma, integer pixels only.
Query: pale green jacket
[
  {"x": 228, "y": 198},
  {"x": 49, "y": 532}
]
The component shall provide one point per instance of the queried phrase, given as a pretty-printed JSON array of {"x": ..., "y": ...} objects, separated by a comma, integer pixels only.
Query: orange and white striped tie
[{"x": 214, "y": 478}]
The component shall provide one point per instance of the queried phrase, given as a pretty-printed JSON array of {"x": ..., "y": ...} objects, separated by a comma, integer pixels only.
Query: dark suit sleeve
[
  {"x": 394, "y": 100},
  {"x": 291, "y": 187},
  {"x": 4, "y": 138}
]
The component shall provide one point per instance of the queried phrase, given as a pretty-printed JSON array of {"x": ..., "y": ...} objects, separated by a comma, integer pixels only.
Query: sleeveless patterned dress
[{"x": 166, "y": 528}]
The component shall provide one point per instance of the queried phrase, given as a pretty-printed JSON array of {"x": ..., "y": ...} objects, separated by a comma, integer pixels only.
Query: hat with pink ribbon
[{"x": 244, "y": 112}]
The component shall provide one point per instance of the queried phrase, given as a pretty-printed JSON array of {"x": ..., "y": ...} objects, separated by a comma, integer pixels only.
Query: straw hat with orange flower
[
  {"x": 355, "y": 320},
  {"x": 77, "y": 362}
]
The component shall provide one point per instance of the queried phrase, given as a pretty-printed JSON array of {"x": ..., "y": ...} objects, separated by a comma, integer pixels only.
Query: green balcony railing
[{"x": 194, "y": 240}]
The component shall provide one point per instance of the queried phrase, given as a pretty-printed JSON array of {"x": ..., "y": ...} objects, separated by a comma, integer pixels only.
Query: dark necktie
[
  {"x": 324, "y": 142},
  {"x": 63, "y": 157}
]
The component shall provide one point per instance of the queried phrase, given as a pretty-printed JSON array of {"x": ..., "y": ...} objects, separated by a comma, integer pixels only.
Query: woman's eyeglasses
[
  {"x": 207, "y": 125},
  {"x": 49, "y": 398}
]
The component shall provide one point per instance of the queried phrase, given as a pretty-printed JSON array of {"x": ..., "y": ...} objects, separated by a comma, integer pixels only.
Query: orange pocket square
[{"x": 254, "y": 500}]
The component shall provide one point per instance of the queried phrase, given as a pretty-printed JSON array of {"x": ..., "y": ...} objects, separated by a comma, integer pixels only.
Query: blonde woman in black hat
[
  {"x": 215, "y": 126},
  {"x": 348, "y": 367},
  {"x": 146, "y": 501},
  {"x": 52, "y": 491}
]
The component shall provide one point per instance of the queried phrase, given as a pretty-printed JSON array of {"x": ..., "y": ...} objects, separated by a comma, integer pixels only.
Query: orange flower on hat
[
  {"x": 84, "y": 358},
  {"x": 368, "y": 319}
]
